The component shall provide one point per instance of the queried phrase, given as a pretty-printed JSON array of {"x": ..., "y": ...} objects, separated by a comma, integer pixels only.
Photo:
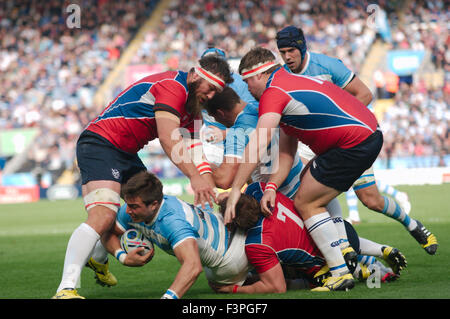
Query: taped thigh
[
  {"x": 365, "y": 180},
  {"x": 102, "y": 197}
]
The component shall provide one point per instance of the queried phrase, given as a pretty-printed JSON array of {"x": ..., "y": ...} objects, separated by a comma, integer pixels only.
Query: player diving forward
[
  {"x": 156, "y": 106},
  {"x": 198, "y": 238}
]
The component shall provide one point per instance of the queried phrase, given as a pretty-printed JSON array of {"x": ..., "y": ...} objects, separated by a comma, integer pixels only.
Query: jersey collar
[
  {"x": 271, "y": 76},
  {"x": 156, "y": 215},
  {"x": 306, "y": 64}
]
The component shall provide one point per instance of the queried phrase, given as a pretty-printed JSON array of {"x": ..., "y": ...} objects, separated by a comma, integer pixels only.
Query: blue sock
[{"x": 393, "y": 210}]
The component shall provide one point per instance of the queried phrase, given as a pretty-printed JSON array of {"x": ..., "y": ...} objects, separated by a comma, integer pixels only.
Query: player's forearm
[
  {"x": 111, "y": 242},
  {"x": 288, "y": 149},
  {"x": 224, "y": 174},
  {"x": 365, "y": 97},
  {"x": 259, "y": 287},
  {"x": 177, "y": 152},
  {"x": 253, "y": 153},
  {"x": 171, "y": 140},
  {"x": 243, "y": 175},
  {"x": 285, "y": 162},
  {"x": 359, "y": 90}
]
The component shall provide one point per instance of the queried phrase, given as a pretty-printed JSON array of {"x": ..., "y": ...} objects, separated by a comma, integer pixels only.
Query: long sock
[
  {"x": 324, "y": 233},
  {"x": 386, "y": 189},
  {"x": 100, "y": 254},
  {"x": 393, "y": 210},
  {"x": 79, "y": 248},
  {"x": 352, "y": 203},
  {"x": 366, "y": 260},
  {"x": 335, "y": 210},
  {"x": 368, "y": 247},
  {"x": 370, "y": 260}
]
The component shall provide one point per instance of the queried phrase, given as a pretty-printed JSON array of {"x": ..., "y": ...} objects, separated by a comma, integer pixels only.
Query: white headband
[
  {"x": 210, "y": 77},
  {"x": 256, "y": 69}
]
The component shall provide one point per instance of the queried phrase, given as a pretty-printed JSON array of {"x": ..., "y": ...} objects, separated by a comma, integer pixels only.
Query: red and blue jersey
[
  {"x": 281, "y": 237},
  {"x": 128, "y": 122},
  {"x": 319, "y": 113}
]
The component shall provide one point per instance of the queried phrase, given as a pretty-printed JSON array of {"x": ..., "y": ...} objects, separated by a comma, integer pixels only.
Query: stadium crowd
[
  {"x": 338, "y": 29},
  {"x": 417, "y": 125},
  {"x": 49, "y": 72}
]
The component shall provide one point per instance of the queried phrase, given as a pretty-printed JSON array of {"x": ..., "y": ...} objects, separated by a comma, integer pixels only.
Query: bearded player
[{"x": 157, "y": 106}]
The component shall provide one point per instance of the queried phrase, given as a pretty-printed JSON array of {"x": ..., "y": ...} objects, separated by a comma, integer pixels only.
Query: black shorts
[
  {"x": 98, "y": 159},
  {"x": 339, "y": 168},
  {"x": 352, "y": 236}
]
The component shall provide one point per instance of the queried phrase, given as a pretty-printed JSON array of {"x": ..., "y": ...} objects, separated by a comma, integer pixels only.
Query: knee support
[{"x": 102, "y": 197}]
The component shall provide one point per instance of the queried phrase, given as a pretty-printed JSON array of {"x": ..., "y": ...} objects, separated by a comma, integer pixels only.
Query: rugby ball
[{"x": 132, "y": 239}]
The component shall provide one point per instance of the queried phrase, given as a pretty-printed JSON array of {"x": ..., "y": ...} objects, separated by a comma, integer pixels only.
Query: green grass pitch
[{"x": 33, "y": 239}]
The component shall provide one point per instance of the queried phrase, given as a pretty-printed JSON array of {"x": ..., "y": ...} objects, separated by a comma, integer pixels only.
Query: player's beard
[{"x": 193, "y": 105}]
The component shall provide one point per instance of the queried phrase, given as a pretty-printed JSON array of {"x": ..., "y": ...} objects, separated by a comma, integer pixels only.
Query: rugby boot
[
  {"x": 394, "y": 258},
  {"x": 67, "y": 294},
  {"x": 351, "y": 258},
  {"x": 341, "y": 283},
  {"x": 425, "y": 238},
  {"x": 102, "y": 274}
]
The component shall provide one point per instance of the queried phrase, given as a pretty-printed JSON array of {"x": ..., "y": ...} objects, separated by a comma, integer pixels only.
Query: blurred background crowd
[{"x": 50, "y": 73}]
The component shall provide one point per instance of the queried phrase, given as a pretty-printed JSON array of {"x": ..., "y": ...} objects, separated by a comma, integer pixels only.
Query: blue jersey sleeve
[
  {"x": 239, "y": 134},
  {"x": 340, "y": 74},
  {"x": 241, "y": 88}
]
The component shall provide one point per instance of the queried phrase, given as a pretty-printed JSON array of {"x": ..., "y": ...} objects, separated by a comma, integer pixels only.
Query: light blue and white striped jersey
[
  {"x": 176, "y": 221},
  {"x": 326, "y": 68},
  {"x": 237, "y": 139}
]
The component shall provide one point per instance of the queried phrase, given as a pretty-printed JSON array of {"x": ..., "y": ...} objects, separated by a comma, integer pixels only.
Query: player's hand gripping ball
[{"x": 132, "y": 239}]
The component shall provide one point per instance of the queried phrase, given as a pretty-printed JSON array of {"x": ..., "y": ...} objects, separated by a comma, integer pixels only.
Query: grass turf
[{"x": 33, "y": 239}]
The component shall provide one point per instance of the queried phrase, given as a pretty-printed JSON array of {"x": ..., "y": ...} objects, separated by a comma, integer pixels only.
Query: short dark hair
[
  {"x": 218, "y": 66},
  {"x": 255, "y": 56},
  {"x": 248, "y": 212},
  {"x": 225, "y": 100},
  {"x": 144, "y": 185}
]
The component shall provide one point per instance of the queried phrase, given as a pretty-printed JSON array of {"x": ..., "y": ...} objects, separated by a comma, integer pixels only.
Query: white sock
[
  {"x": 100, "y": 254},
  {"x": 324, "y": 233},
  {"x": 335, "y": 210},
  {"x": 352, "y": 203},
  {"x": 368, "y": 247},
  {"x": 79, "y": 248}
]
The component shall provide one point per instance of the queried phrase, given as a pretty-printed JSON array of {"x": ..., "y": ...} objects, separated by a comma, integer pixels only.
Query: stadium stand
[
  {"x": 51, "y": 75},
  {"x": 50, "y": 72}
]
